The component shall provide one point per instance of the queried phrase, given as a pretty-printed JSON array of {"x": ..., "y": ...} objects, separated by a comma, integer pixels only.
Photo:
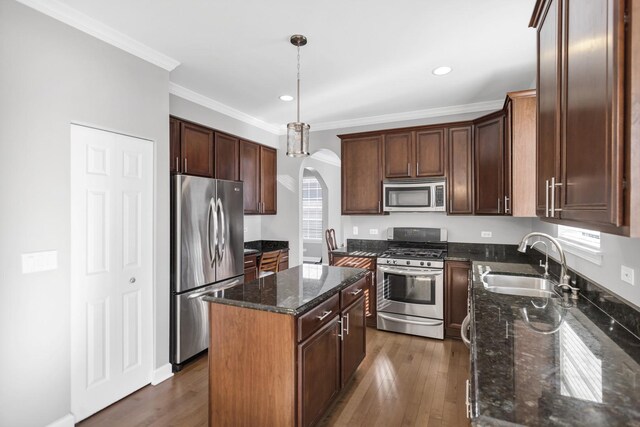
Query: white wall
[
  {"x": 53, "y": 75},
  {"x": 616, "y": 251}
]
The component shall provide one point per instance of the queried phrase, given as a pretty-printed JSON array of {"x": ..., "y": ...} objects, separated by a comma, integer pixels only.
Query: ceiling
[{"x": 364, "y": 57}]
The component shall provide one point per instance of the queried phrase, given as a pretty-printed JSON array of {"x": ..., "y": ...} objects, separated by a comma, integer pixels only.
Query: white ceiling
[{"x": 364, "y": 58}]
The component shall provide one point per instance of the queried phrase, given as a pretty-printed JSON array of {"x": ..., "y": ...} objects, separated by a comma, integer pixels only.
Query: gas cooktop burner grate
[{"x": 413, "y": 253}]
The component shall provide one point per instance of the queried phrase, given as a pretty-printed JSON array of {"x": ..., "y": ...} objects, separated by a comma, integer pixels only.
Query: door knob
[{"x": 132, "y": 280}]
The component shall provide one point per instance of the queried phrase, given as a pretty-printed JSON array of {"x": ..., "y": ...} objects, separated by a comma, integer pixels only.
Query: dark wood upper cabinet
[
  {"x": 455, "y": 297},
  {"x": 489, "y": 165},
  {"x": 226, "y": 156},
  {"x": 398, "y": 155},
  {"x": 581, "y": 129},
  {"x": 592, "y": 149},
  {"x": 174, "y": 146},
  {"x": 250, "y": 175},
  {"x": 548, "y": 82},
  {"x": 430, "y": 153},
  {"x": 362, "y": 175},
  {"x": 460, "y": 182},
  {"x": 354, "y": 339},
  {"x": 268, "y": 180},
  {"x": 196, "y": 146}
]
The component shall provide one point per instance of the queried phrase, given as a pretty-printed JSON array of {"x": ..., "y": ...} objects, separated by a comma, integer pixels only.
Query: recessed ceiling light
[
  {"x": 286, "y": 98},
  {"x": 441, "y": 71}
]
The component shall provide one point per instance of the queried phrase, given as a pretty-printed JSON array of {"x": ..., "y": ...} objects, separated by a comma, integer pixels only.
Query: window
[
  {"x": 311, "y": 209},
  {"x": 580, "y": 236}
]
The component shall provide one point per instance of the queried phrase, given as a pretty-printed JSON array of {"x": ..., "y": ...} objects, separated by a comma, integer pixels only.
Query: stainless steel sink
[{"x": 525, "y": 286}]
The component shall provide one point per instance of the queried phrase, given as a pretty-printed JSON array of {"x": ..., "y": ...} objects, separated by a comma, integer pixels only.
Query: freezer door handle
[{"x": 213, "y": 291}]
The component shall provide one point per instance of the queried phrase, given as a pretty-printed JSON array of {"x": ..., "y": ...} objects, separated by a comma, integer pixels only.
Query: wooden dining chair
[
  {"x": 332, "y": 245},
  {"x": 269, "y": 262}
]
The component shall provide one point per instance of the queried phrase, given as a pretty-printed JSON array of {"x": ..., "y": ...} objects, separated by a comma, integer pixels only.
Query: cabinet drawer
[
  {"x": 312, "y": 320},
  {"x": 353, "y": 292},
  {"x": 354, "y": 262},
  {"x": 250, "y": 261}
]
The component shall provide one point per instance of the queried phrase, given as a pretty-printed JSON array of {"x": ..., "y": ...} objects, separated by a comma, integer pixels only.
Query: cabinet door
[
  {"x": 250, "y": 175},
  {"x": 455, "y": 296},
  {"x": 196, "y": 146},
  {"x": 227, "y": 151},
  {"x": 489, "y": 166},
  {"x": 430, "y": 153},
  {"x": 460, "y": 180},
  {"x": 592, "y": 144},
  {"x": 174, "y": 145},
  {"x": 268, "y": 180},
  {"x": 354, "y": 339},
  {"x": 318, "y": 373},
  {"x": 362, "y": 175},
  {"x": 398, "y": 155},
  {"x": 548, "y": 139}
]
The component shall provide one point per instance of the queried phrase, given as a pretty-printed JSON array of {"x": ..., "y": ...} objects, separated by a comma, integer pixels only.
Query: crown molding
[
  {"x": 212, "y": 104},
  {"x": 410, "y": 115},
  {"x": 97, "y": 29}
]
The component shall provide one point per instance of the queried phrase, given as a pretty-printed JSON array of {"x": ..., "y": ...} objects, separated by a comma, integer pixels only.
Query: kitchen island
[{"x": 283, "y": 346}]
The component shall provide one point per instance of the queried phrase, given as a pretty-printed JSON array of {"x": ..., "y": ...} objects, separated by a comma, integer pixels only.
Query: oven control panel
[{"x": 410, "y": 263}]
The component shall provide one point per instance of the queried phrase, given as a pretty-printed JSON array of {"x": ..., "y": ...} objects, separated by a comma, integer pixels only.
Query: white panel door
[{"x": 111, "y": 267}]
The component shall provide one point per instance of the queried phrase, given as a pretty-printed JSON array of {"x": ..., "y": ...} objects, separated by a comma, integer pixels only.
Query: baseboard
[
  {"x": 66, "y": 421},
  {"x": 161, "y": 374}
]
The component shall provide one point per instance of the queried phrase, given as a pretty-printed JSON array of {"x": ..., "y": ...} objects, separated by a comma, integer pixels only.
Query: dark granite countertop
[
  {"x": 257, "y": 247},
  {"x": 292, "y": 291},
  {"x": 251, "y": 251},
  {"x": 569, "y": 364},
  {"x": 485, "y": 252}
]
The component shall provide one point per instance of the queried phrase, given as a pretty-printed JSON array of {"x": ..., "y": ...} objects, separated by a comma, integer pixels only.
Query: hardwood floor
[{"x": 403, "y": 381}]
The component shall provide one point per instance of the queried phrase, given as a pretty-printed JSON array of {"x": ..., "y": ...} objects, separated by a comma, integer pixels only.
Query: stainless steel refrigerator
[{"x": 207, "y": 255}]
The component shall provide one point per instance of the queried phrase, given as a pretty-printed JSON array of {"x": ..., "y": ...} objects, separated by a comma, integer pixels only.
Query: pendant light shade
[{"x": 298, "y": 132}]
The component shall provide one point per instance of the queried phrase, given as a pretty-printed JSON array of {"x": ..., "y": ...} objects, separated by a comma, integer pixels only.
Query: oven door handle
[
  {"x": 416, "y": 272},
  {"x": 411, "y": 322}
]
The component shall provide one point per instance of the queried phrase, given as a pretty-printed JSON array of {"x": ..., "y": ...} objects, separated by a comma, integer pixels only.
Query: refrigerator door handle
[
  {"x": 223, "y": 230},
  {"x": 212, "y": 213}
]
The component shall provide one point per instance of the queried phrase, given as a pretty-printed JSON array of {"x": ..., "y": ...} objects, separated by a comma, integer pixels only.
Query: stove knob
[
  {"x": 408, "y": 262},
  {"x": 421, "y": 262},
  {"x": 395, "y": 262},
  {"x": 428, "y": 264}
]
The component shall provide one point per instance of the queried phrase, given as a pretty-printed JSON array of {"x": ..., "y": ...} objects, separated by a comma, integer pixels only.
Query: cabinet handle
[
  {"x": 347, "y": 317},
  {"x": 554, "y": 184},
  {"x": 185, "y": 165},
  {"x": 354, "y": 293},
  {"x": 467, "y": 400},
  {"x": 408, "y": 169},
  {"x": 177, "y": 164},
  {"x": 379, "y": 207},
  {"x": 506, "y": 208},
  {"x": 341, "y": 333},
  {"x": 546, "y": 195},
  {"x": 324, "y": 315},
  {"x": 498, "y": 204},
  {"x": 417, "y": 168}
]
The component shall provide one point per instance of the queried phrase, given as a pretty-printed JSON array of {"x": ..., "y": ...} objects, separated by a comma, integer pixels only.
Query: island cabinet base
[
  {"x": 252, "y": 367},
  {"x": 277, "y": 369}
]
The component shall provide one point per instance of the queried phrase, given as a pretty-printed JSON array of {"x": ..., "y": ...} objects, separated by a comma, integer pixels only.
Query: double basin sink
[{"x": 526, "y": 286}]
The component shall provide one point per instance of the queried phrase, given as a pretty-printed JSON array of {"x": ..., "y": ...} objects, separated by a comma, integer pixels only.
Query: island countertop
[
  {"x": 549, "y": 362},
  {"x": 292, "y": 291}
]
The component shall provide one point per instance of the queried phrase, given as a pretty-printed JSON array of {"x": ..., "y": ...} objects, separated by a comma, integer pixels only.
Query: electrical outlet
[
  {"x": 355, "y": 231},
  {"x": 486, "y": 234},
  {"x": 373, "y": 231},
  {"x": 246, "y": 229},
  {"x": 626, "y": 274},
  {"x": 39, "y": 261}
]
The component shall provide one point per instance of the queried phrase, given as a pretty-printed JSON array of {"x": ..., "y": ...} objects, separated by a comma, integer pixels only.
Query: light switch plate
[
  {"x": 486, "y": 234},
  {"x": 355, "y": 231},
  {"x": 39, "y": 261},
  {"x": 373, "y": 231},
  {"x": 626, "y": 274}
]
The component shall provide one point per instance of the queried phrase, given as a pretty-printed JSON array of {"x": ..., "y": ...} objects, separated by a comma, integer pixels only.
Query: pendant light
[{"x": 298, "y": 132}]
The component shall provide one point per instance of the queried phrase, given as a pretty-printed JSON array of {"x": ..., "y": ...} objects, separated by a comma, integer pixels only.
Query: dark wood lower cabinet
[
  {"x": 354, "y": 339},
  {"x": 370, "y": 293},
  {"x": 455, "y": 296},
  {"x": 318, "y": 373}
]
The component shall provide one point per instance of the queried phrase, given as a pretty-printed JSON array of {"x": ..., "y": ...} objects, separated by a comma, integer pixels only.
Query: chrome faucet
[
  {"x": 546, "y": 257},
  {"x": 564, "y": 277}
]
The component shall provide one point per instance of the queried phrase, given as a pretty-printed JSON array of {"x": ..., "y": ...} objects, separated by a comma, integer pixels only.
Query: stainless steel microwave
[{"x": 414, "y": 196}]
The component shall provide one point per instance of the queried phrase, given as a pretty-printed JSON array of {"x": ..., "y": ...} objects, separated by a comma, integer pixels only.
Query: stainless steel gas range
[{"x": 411, "y": 282}]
